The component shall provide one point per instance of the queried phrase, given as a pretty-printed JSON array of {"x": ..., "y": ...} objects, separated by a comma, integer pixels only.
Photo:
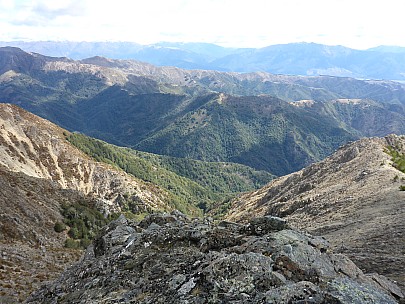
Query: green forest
[{"x": 191, "y": 184}]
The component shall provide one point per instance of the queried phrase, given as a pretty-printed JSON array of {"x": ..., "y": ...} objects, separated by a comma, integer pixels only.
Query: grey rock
[
  {"x": 187, "y": 287},
  {"x": 167, "y": 258},
  {"x": 266, "y": 224},
  {"x": 387, "y": 284},
  {"x": 346, "y": 291}
]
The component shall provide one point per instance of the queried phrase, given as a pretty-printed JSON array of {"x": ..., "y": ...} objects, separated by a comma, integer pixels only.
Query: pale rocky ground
[{"x": 352, "y": 198}]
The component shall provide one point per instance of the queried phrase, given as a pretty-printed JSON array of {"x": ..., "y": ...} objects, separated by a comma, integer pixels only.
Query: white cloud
[
  {"x": 55, "y": 9},
  {"x": 354, "y": 23}
]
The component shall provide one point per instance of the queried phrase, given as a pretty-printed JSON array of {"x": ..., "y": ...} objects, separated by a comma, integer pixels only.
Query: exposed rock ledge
[{"x": 168, "y": 258}]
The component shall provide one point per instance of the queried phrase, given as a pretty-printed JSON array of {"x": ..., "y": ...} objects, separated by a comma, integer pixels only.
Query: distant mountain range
[
  {"x": 383, "y": 62},
  {"x": 269, "y": 122}
]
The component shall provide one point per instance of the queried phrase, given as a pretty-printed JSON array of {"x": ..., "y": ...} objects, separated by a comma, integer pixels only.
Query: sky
[{"x": 357, "y": 24}]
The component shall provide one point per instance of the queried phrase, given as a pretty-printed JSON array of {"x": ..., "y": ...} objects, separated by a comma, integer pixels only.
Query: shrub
[
  {"x": 84, "y": 243},
  {"x": 70, "y": 243},
  {"x": 74, "y": 233},
  {"x": 83, "y": 221},
  {"x": 397, "y": 158},
  {"x": 59, "y": 227}
]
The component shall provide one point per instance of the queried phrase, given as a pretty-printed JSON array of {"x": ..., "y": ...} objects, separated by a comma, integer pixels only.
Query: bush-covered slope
[
  {"x": 223, "y": 177},
  {"x": 189, "y": 182},
  {"x": 120, "y": 116},
  {"x": 262, "y": 132}
]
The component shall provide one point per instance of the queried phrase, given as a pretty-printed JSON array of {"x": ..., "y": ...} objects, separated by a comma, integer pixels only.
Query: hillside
[
  {"x": 38, "y": 148},
  {"x": 262, "y": 132},
  {"x": 222, "y": 177},
  {"x": 54, "y": 199},
  {"x": 384, "y": 62},
  {"x": 352, "y": 198},
  {"x": 181, "y": 113}
]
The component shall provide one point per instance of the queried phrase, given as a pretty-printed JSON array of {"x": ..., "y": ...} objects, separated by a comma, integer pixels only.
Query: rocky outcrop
[
  {"x": 38, "y": 148},
  {"x": 352, "y": 198},
  {"x": 168, "y": 258}
]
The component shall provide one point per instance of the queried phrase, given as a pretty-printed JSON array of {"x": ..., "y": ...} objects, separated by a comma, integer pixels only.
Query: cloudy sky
[{"x": 238, "y": 23}]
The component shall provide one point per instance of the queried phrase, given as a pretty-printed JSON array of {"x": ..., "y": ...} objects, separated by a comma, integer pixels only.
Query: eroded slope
[{"x": 38, "y": 148}]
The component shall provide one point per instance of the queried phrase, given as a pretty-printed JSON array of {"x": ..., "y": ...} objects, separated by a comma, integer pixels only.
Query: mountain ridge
[
  {"x": 139, "y": 105},
  {"x": 383, "y": 62},
  {"x": 352, "y": 198}
]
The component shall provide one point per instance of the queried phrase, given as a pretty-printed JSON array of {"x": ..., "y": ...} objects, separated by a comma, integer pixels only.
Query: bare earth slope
[
  {"x": 351, "y": 198},
  {"x": 38, "y": 148}
]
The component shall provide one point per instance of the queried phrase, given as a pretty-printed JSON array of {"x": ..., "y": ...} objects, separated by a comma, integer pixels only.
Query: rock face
[
  {"x": 352, "y": 198},
  {"x": 168, "y": 258}
]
